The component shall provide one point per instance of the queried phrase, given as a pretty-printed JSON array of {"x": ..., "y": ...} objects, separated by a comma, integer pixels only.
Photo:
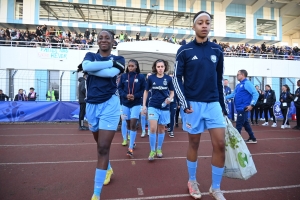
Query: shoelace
[
  {"x": 218, "y": 194},
  {"x": 195, "y": 188}
]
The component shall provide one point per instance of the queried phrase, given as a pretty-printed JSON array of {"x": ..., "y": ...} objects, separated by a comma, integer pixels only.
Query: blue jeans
[{"x": 242, "y": 121}]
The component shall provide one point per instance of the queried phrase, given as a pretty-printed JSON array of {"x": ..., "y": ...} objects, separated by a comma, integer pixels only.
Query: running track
[{"x": 57, "y": 162}]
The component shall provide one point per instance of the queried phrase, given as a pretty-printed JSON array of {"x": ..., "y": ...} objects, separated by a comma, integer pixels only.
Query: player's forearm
[{"x": 89, "y": 66}]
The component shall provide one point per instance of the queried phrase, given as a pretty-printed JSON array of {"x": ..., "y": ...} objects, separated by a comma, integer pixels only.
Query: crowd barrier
[{"x": 58, "y": 111}]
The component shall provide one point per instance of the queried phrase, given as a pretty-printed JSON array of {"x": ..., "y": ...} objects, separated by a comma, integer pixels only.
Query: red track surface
[{"x": 57, "y": 161}]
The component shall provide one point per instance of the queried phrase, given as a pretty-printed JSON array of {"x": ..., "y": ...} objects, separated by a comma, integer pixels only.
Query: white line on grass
[
  {"x": 206, "y": 193},
  {"x": 138, "y": 159}
]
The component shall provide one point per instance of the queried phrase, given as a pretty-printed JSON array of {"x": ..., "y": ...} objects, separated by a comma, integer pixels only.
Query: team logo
[
  {"x": 165, "y": 82},
  {"x": 154, "y": 83},
  {"x": 241, "y": 85},
  {"x": 277, "y": 109},
  {"x": 213, "y": 58}
]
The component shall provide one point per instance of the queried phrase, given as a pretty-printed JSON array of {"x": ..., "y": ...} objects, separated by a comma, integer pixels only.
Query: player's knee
[
  {"x": 194, "y": 145},
  {"x": 133, "y": 126},
  {"x": 219, "y": 145},
  {"x": 103, "y": 150}
]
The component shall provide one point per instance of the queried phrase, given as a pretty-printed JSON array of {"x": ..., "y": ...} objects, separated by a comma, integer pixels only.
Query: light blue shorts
[
  {"x": 204, "y": 116},
  {"x": 131, "y": 113},
  {"x": 161, "y": 116},
  {"x": 104, "y": 116}
]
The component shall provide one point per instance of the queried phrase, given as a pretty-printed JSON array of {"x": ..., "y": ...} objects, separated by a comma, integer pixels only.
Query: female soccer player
[
  {"x": 131, "y": 89},
  {"x": 103, "y": 104},
  {"x": 158, "y": 111},
  {"x": 200, "y": 64}
]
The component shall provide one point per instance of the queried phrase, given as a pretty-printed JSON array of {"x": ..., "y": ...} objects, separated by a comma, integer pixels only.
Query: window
[
  {"x": 19, "y": 9},
  {"x": 235, "y": 25},
  {"x": 266, "y": 27},
  {"x": 54, "y": 80}
]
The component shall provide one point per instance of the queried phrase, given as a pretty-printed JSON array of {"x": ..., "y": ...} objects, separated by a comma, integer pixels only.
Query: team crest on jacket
[
  {"x": 165, "y": 82},
  {"x": 213, "y": 58}
]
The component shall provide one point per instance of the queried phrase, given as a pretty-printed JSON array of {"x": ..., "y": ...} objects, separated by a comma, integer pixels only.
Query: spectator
[
  {"x": 20, "y": 96},
  {"x": 183, "y": 42},
  {"x": 121, "y": 37},
  {"x": 3, "y": 96},
  {"x": 166, "y": 38},
  {"x": 263, "y": 47},
  {"x": 32, "y": 95},
  {"x": 258, "y": 106},
  {"x": 137, "y": 37},
  {"x": 173, "y": 40},
  {"x": 87, "y": 33},
  {"x": 150, "y": 36}
]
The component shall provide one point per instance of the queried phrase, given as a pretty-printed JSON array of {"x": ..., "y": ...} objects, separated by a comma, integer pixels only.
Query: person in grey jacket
[{"x": 81, "y": 98}]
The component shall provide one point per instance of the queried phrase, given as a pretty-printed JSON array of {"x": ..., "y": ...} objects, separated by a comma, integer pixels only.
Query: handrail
[
  {"x": 65, "y": 45},
  {"x": 261, "y": 56}
]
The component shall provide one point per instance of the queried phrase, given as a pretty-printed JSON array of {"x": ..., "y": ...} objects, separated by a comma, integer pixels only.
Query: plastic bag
[{"x": 238, "y": 160}]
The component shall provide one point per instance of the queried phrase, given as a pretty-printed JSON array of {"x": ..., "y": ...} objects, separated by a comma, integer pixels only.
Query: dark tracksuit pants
[
  {"x": 242, "y": 121},
  {"x": 173, "y": 107},
  {"x": 177, "y": 115},
  {"x": 285, "y": 113},
  {"x": 81, "y": 113},
  {"x": 257, "y": 110},
  {"x": 268, "y": 110},
  {"x": 298, "y": 116}
]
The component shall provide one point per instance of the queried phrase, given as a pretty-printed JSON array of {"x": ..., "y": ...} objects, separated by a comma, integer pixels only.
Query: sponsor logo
[
  {"x": 136, "y": 80},
  {"x": 195, "y": 58},
  {"x": 188, "y": 125},
  {"x": 160, "y": 88}
]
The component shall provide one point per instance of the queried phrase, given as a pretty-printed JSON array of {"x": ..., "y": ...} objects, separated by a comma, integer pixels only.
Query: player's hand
[
  {"x": 188, "y": 111},
  {"x": 144, "y": 110},
  {"x": 168, "y": 100},
  {"x": 248, "y": 108}
]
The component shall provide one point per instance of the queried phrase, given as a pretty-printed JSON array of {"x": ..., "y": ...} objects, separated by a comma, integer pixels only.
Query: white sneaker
[
  {"x": 274, "y": 125},
  {"x": 217, "y": 194},
  {"x": 143, "y": 134},
  {"x": 282, "y": 126},
  {"x": 262, "y": 119},
  {"x": 265, "y": 124},
  {"x": 287, "y": 126},
  {"x": 194, "y": 190},
  {"x": 148, "y": 132}
]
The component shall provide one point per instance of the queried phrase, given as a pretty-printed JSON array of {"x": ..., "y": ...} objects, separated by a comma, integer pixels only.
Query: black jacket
[
  {"x": 3, "y": 97},
  {"x": 270, "y": 99},
  {"x": 260, "y": 99},
  {"x": 81, "y": 90},
  {"x": 285, "y": 97},
  {"x": 31, "y": 99},
  {"x": 297, "y": 94}
]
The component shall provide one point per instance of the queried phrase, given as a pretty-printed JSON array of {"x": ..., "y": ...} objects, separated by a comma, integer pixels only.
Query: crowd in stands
[{"x": 56, "y": 38}]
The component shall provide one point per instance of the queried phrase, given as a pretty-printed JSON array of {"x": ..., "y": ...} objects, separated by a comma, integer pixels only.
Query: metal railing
[
  {"x": 68, "y": 45},
  {"x": 261, "y": 56}
]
